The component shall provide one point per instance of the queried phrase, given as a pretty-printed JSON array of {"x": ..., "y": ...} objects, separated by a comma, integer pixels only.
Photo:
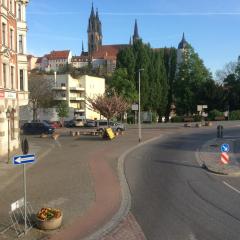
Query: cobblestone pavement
[{"x": 128, "y": 229}]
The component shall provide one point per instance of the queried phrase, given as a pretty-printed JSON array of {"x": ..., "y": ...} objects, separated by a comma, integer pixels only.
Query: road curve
[{"x": 173, "y": 198}]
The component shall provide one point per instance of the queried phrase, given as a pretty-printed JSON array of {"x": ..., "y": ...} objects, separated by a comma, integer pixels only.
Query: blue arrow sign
[
  {"x": 225, "y": 147},
  {"x": 24, "y": 159}
]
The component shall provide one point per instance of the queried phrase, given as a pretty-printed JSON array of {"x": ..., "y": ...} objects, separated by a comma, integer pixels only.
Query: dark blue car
[{"x": 37, "y": 128}]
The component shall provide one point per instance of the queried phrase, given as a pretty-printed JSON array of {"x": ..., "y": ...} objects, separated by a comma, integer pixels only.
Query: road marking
[
  {"x": 192, "y": 237},
  {"x": 230, "y": 186}
]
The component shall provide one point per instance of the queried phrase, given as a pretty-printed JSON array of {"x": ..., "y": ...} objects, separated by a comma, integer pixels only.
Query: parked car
[
  {"x": 116, "y": 126},
  {"x": 90, "y": 123},
  {"x": 54, "y": 124},
  {"x": 69, "y": 124},
  {"x": 37, "y": 128},
  {"x": 79, "y": 122}
]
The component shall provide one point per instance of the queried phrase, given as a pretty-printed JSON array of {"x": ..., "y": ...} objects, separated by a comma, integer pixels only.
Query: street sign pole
[
  {"x": 25, "y": 199},
  {"x": 25, "y": 149}
]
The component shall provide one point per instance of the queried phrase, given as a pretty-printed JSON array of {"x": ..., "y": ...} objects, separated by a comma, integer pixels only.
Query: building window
[
  {"x": 12, "y": 77},
  {"x": 11, "y": 38},
  {"x": 19, "y": 12},
  {"x": 11, "y": 6},
  {"x": 20, "y": 43},
  {"x": 21, "y": 75},
  {"x": 4, "y": 75},
  {"x": 4, "y": 34}
]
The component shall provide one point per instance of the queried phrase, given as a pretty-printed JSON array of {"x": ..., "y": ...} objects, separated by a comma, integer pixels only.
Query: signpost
[
  {"x": 23, "y": 160},
  {"x": 225, "y": 148}
]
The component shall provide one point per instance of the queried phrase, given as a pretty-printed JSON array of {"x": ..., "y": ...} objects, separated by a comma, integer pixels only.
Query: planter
[
  {"x": 208, "y": 124},
  {"x": 49, "y": 224}
]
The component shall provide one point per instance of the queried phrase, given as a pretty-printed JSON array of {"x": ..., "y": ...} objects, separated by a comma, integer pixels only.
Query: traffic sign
[
  {"x": 224, "y": 158},
  {"x": 24, "y": 159},
  {"x": 225, "y": 147}
]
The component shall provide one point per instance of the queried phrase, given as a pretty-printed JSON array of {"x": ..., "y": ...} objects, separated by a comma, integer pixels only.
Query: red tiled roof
[
  {"x": 108, "y": 51},
  {"x": 58, "y": 55},
  {"x": 39, "y": 60}
]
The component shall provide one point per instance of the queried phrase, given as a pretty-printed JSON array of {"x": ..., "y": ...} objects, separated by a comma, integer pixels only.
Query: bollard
[{"x": 219, "y": 131}]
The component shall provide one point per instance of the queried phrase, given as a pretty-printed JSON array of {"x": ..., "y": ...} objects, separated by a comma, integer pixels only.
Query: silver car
[{"x": 116, "y": 126}]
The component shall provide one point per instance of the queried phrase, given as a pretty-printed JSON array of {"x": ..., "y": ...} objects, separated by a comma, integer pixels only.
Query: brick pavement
[{"x": 128, "y": 229}]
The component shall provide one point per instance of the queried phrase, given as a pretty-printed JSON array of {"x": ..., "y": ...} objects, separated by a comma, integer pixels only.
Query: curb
[{"x": 126, "y": 196}]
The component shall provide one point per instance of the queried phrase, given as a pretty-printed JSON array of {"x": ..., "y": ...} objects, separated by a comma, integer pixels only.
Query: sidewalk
[{"x": 98, "y": 161}]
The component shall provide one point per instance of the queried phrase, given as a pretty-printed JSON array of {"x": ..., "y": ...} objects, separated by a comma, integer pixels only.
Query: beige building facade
[
  {"x": 75, "y": 91},
  {"x": 13, "y": 71}
]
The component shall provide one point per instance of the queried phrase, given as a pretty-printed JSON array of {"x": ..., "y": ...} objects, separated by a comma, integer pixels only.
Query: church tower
[
  {"x": 182, "y": 47},
  {"x": 94, "y": 32},
  {"x": 136, "y": 34}
]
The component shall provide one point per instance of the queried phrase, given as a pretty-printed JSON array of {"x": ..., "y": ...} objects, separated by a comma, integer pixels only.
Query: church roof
[
  {"x": 108, "y": 51},
  {"x": 183, "y": 44}
]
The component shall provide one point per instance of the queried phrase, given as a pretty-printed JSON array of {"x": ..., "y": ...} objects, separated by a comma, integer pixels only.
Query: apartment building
[
  {"x": 75, "y": 91},
  {"x": 13, "y": 70}
]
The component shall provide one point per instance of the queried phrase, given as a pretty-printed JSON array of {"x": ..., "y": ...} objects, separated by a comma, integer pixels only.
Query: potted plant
[{"x": 49, "y": 218}]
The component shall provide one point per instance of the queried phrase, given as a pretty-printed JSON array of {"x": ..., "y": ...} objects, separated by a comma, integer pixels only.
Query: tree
[
  {"x": 109, "y": 106},
  {"x": 62, "y": 110},
  {"x": 40, "y": 89},
  {"x": 191, "y": 74},
  {"x": 124, "y": 87}
]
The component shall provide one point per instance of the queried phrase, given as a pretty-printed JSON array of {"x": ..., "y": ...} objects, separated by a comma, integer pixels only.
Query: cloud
[
  {"x": 171, "y": 14},
  {"x": 53, "y": 13}
]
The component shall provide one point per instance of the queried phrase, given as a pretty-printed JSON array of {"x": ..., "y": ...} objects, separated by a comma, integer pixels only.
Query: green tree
[
  {"x": 62, "y": 110},
  {"x": 191, "y": 74},
  {"x": 122, "y": 85}
]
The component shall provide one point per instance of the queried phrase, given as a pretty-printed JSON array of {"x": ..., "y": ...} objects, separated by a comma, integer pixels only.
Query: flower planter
[{"x": 49, "y": 223}]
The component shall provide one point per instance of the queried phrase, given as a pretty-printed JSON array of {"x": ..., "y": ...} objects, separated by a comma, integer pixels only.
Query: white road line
[
  {"x": 192, "y": 237},
  {"x": 230, "y": 186}
]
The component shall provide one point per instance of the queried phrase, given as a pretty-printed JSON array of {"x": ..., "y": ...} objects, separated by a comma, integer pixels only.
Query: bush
[
  {"x": 234, "y": 115},
  {"x": 197, "y": 118},
  {"x": 213, "y": 114},
  {"x": 177, "y": 119}
]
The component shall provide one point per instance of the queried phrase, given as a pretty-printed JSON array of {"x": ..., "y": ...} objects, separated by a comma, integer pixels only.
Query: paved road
[{"x": 174, "y": 199}]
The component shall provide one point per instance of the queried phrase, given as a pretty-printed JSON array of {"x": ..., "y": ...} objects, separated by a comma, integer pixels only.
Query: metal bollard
[{"x": 219, "y": 131}]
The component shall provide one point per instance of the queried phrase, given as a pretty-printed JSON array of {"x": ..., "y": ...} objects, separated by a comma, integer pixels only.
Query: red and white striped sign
[{"x": 224, "y": 158}]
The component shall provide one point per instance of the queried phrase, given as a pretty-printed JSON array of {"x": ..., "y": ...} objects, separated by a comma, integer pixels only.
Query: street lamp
[
  {"x": 8, "y": 115},
  {"x": 139, "y": 105}
]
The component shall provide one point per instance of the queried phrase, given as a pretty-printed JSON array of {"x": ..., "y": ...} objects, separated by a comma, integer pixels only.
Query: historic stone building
[{"x": 13, "y": 70}]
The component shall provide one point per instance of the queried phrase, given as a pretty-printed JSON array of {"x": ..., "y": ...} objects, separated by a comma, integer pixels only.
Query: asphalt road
[{"x": 173, "y": 198}]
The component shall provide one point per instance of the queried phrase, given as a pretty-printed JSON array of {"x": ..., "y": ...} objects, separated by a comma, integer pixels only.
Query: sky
[{"x": 210, "y": 26}]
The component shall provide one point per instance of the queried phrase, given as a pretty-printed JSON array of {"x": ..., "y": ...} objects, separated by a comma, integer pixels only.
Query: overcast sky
[{"x": 210, "y": 26}]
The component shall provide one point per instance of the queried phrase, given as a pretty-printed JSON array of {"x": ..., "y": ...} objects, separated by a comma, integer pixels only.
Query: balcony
[
  {"x": 59, "y": 98},
  {"x": 77, "y": 89},
  {"x": 61, "y": 88},
  {"x": 79, "y": 110},
  {"x": 77, "y": 98}
]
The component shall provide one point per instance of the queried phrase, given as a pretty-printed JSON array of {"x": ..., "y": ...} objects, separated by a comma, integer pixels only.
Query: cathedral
[
  {"x": 99, "y": 55},
  {"x": 104, "y": 57}
]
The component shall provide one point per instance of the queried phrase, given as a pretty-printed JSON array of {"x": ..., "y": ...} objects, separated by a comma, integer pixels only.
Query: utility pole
[{"x": 139, "y": 105}]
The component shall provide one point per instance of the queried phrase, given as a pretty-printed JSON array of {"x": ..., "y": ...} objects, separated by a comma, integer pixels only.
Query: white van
[{"x": 79, "y": 122}]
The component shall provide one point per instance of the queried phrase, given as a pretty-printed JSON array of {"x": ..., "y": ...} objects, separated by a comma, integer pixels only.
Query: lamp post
[
  {"x": 8, "y": 115},
  {"x": 139, "y": 105}
]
